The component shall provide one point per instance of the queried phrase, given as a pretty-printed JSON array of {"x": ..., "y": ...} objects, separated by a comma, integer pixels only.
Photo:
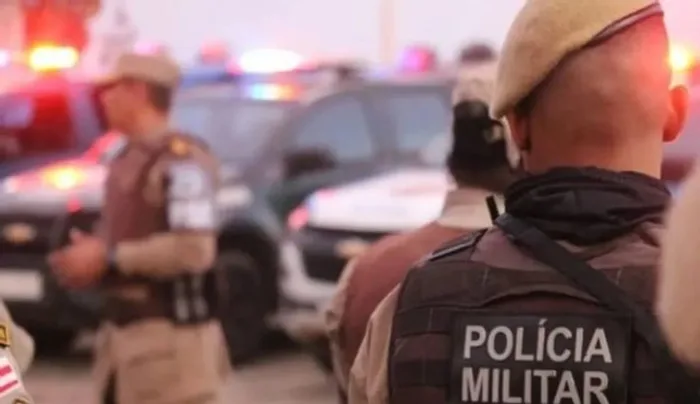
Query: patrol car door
[{"x": 333, "y": 141}]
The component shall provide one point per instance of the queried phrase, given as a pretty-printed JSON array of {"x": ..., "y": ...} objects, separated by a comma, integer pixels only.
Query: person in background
[
  {"x": 154, "y": 251},
  {"x": 537, "y": 308},
  {"x": 478, "y": 164}
]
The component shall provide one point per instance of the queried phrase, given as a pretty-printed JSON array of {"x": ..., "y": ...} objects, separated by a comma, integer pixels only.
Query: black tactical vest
[{"x": 481, "y": 322}]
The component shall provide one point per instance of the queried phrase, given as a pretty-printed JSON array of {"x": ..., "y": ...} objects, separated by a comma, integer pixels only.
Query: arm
[
  {"x": 368, "y": 383},
  {"x": 21, "y": 343},
  {"x": 334, "y": 322},
  {"x": 187, "y": 187},
  {"x": 680, "y": 273},
  {"x": 167, "y": 254}
]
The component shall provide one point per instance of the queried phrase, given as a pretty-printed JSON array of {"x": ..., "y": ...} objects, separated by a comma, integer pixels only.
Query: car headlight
[{"x": 235, "y": 196}]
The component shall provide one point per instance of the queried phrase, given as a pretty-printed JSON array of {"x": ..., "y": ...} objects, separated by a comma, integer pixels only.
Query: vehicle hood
[
  {"x": 397, "y": 201},
  {"x": 51, "y": 187},
  {"x": 35, "y": 191}
]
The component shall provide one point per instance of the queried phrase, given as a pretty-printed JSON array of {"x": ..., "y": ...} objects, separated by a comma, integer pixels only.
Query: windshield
[
  {"x": 34, "y": 124},
  {"x": 235, "y": 129},
  {"x": 435, "y": 152}
]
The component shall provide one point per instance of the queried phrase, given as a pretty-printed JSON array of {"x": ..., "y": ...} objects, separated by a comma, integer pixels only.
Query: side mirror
[{"x": 300, "y": 162}]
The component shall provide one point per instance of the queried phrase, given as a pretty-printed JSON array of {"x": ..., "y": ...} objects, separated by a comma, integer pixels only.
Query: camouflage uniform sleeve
[{"x": 186, "y": 184}]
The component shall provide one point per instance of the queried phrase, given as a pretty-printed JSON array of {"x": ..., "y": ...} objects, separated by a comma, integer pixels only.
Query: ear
[
  {"x": 518, "y": 131},
  {"x": 677, "y": 114}
]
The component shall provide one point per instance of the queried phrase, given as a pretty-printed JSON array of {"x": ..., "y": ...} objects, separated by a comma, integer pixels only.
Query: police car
[
  {"x": 44, "y": 116},
  {"x": 280, "y": 136},
  {"x": 336, "y": 224}
]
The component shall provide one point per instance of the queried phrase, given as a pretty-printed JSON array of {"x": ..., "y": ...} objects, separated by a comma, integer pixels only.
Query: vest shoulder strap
[{"x": 460, "y": 245}]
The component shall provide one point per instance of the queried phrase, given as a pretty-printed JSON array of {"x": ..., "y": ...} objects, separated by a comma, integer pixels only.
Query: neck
[
  {"x": 148, "y": 126},
  {"x": 635, "y": 158}
]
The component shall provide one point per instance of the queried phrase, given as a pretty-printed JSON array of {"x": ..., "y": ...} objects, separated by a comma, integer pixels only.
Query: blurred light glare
[
  {"x": 49, "y": 57},
  {"x": 417, "y": 59},
  {"x": 4, "y": 57},
  {"x": 214, "y": 52},
  {"x": 150, "y": 48},
  {"x": 271, "y": 92},
  {"x": 681, "y": 58},
  {"x": 269, "y": 61}
]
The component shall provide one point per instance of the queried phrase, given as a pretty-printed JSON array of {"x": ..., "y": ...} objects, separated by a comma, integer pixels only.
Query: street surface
[{"x": 281, "y": 377}]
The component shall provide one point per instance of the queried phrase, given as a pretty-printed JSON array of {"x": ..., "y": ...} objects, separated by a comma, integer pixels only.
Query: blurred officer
[
  {"x": 16, "y": 354},
  {"x": 510, "y": 315},
  {"x": 156, "y": 245},
  {"x": 478, "y": 164},
  {"x": 680, "y": 272},
  {"x": 475, "y": 53}
]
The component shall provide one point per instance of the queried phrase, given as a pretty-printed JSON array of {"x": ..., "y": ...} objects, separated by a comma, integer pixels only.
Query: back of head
[
  {"x": 476, "y": 53},
  {"x": 607, "y": 96},
  {"x": 478, "y": 156},
  {"x": 587, "y": 83}
]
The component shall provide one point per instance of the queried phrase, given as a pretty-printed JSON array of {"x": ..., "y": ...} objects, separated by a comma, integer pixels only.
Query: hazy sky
[{"x": 340, "y": 27}]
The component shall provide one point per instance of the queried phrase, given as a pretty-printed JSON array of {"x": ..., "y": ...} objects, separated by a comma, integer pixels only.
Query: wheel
[
  {"x": 243, "y": 312},
  {"x": 50, "y": 342}
]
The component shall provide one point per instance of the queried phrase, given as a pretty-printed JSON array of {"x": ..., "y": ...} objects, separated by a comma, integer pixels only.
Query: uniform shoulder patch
[
  {"x": 459, "y": 245},
  {"x": 180, "y": 146},
  {"x": 4, "y": 336}
]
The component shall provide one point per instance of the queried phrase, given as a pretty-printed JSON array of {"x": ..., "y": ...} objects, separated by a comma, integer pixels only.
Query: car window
[
  {"x": 418, "y": 117},
  {"x": 434, "y": 154},
  {"x": 338, "y": 127},
  {"x": 34, "y": 124},
  {"x": 235, "y": 129}
]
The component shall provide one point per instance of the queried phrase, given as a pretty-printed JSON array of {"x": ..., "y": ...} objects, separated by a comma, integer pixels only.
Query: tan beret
[
  {"x": 155, "y": 68},
  {"x": 546, "y": 31}
]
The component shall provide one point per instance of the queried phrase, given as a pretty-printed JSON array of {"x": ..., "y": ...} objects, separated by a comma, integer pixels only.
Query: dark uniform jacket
[{"x": 487, "y": 323}]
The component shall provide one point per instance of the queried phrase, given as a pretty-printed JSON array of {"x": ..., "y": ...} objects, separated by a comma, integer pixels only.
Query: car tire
[
  {"x": 243, "y": 308},
  {"x": 52, "y": 343}
]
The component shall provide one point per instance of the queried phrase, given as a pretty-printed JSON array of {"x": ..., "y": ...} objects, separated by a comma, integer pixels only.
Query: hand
[{"x": 82, "y": 263}]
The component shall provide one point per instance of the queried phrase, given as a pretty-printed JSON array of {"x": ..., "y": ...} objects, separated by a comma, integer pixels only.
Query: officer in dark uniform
[
  {"x": 154, "y": 251},
  {"x": 553, "y": 304}
]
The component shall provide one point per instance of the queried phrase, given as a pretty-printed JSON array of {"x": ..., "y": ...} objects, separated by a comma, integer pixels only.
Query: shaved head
[{"x": 603, "y": 104}]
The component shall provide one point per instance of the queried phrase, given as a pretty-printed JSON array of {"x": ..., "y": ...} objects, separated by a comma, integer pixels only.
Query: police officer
[
  {"x": 479, "y": 166},
  {"x": 552, "y": 305},
  {"x": 16, "y": 354},
  {"x": 153, "y": 254},
  {"x": 680, "y": 273},
  {"x": 476, "y": 53}
]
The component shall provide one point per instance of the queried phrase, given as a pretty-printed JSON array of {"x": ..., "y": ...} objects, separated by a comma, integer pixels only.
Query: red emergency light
[{"x": 44, "y": 58}]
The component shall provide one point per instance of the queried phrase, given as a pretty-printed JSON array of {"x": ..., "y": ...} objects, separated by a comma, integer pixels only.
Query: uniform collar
[{"x": 465, "y": 208}]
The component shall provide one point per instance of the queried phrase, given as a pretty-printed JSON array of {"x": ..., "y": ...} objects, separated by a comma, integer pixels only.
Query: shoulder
[
  {"x": 185, "y": 155},
  {"x": 459, "y": 245},
  {"x": 181, "y": 145}
]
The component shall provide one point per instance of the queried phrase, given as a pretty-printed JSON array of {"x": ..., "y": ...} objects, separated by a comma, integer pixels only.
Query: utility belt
[{"x": 189, "y": 299}]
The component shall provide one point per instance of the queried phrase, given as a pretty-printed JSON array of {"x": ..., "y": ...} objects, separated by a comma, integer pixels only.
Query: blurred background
[{"x": 332, "y": 121}]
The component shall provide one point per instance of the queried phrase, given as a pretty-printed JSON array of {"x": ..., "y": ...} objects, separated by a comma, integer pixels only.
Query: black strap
[{"x": 681, "y": 387}]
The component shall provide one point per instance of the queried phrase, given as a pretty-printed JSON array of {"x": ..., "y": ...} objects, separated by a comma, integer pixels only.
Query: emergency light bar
[
  {"x": 269, "y": 61},
  {"x": 48, "y": 58}
]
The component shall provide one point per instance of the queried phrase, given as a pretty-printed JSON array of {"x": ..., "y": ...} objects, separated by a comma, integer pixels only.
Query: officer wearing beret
[
  {"x": 154, "y": 251},
  {"x": 553, "y": 303},
  {"x": 479, "y": 166}
]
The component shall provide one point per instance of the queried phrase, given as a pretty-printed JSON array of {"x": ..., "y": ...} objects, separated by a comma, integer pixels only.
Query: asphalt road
[{"x": 285, "y": 376}]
